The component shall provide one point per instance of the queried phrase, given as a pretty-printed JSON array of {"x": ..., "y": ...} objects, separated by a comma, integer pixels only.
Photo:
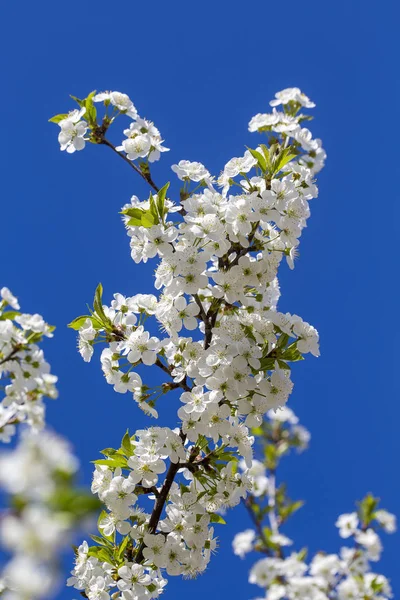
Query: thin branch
[
  {"x": 161, "y": 500},
  {"x": 11, "y": 354},
  {"x": 181, "y": 384},
  {"x": 146, "y": 177},
  {"x": 145, "y": 491},
  {"x": 273, "y": 521},
  {"x": 248, "y": 505}
]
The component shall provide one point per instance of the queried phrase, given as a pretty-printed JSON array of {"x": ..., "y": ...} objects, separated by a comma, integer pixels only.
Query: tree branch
[
  {"x": 181, "y": 384},
  {"x": 161, "y": 499},
  {"x": 11, "y": 354},
  {"x": 145, "y": 176}
]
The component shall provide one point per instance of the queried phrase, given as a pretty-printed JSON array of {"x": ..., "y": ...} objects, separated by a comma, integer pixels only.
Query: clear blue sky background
[{"x": 200, "y": 71}]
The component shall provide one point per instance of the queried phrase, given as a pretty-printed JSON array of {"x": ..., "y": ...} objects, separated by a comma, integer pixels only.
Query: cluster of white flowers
[
  {"x": 343, "y": 576},
  {"x": 143, "y": 138},
  {"x": 25, "y": 374},
  {"x": 218, "y": 254},
  {"x": 37, "y": 475},
  {"x": 181, "y": 542}
]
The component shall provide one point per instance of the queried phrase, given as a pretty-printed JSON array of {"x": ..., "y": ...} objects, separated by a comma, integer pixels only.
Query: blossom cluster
[
  {"x": 288, "y": 575},
  {"x": 225, "y": 347},
  {"x": 25, "y": 374},
  {"x": 181, "y": 542},
  {"x": 143, "y": 138},
  {"x": 38, "y": 478}
]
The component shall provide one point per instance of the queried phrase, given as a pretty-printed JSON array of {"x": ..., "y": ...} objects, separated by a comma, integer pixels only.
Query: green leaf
[
  {"x": 270, "y": 456},
  {"x": 58, "y": 118},
  {"x": 108, "y": 451},
  {"x": 183, "y": 488},
  {"x": 161, "y": 195},
  {"x": 9, "y": 314},
  {"x": 283, "y": 365},
  {"x": 91, "y": 112},
  {"x": 153, "y": 209},
  {"x": 98, "y": 304},
  {"x": 292, "y": 354},
  {"x": 134, "y": 222},
  {"x": 215, "y": 518},
  {"x": 133, "y": 212},
  {"x": 366, "y": 509},
  {"x": 283, "y": 340},
  {"x": 114, "y": 462},
  {"x": 149, "y": 219},
  {"x": 136, "y": 215},
  {"x": 100, "y": 518},
  {"x": 122, "y": 547},
  {"x": 101, "y": 541},
  {"x": 302, "y": 555},
  {"x": 82, "y": 103},
  {"x": 77, "y": 503},
  {"x": 266, "y": 155},
  {"x": 126, "y": 444},
  {"x": 78, "y": 322},
  {"x": 259, "y": 158},
  {"x": 267, "y": 364},
  {"x": 103, "y": 554},
  {"x": 286, "y": 511},
  {"x": 283, "y": 159},
  {"x": 228, "y": 456},
  {"x": 34, "y": 338}
]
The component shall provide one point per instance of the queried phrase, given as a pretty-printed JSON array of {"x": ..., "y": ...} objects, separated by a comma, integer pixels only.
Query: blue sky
[{"x": 200, "y": 71}]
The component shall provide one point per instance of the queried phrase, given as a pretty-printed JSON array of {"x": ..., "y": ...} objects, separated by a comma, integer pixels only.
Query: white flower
[
  {"x": 371, "y": 542},
  {"x": 304, "y": 137},
  {"x": 292, "y": 95},
  {"x": 243, "y": 542},
  {"x": 146, "y": 469},
  {"x": 142, "y": 347},
  {"x": 154, "y": 551},
  {"x": 195, "y": 402},
  {"x": 260, "y": 121},
  {"x": 137, "y": 147},
  {"x": 386, "y": 520},
  {"x": 194, "y": 171},
  {"x": 9, "y": 298},
  {"x": 119, "y": 100},
  {"x": 71, "y": 136},
  {"x": 133, "y": 578},
  {"x": 235, "y": 166},
  {"x": 347, "y": 524}
]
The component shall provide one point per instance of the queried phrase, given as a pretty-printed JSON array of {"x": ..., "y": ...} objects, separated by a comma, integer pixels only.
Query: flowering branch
[
  {"x": 218, "y": 254},
  {"x": 286, "y": 576}
]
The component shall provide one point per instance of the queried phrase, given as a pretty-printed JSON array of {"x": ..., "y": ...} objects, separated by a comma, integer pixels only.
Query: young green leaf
[
  {"x": 215, "y": 518},
  {"x": 259, "y": 158},
  {"x": 58, "y": 118},
  {"x": 78, "y": 322}
]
